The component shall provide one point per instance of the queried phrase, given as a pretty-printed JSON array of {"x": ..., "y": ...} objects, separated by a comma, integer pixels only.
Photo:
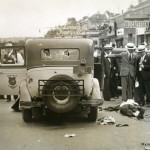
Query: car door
[{"x": 12, "y": 69}]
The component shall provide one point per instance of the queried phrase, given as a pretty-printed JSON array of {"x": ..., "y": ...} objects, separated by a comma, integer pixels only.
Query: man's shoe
[
  {"x": 141, "y": 114},
  {"x": 15, "y": 108}
]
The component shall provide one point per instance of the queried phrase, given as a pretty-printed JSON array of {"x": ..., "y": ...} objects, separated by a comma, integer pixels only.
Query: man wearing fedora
[
  {"x": 143, "y": 75},
  {"x": 127, "y": 71}
]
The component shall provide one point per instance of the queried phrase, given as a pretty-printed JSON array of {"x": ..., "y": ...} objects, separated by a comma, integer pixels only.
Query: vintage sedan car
[{"x": 59, "y": 78}]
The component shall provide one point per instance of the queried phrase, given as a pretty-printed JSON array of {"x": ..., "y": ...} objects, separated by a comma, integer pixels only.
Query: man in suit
[
  {"x": 110, "y": 75},
  {"x": 143, "y": 75},
  {"x": 114, "y": 73},
  {"x": 107, "y": 70},
  {"x": 98, "y": 69},
  {"x": 127, "y": 71}
]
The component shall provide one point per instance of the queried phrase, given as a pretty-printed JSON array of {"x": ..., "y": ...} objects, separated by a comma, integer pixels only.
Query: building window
[{"x": 129, "y": 37}]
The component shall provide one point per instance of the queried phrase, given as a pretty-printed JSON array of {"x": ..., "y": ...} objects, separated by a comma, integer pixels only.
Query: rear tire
[
  {"x": 27, "y": 115},
  {"x": 53, "y": 88},
  {"x": 92, "y": 115}
]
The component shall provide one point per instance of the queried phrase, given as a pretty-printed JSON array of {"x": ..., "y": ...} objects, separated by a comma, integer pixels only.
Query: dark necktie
[{"x": 130, "y": 57}]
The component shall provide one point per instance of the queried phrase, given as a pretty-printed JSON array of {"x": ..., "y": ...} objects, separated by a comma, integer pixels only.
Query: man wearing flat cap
[
  {"x": 143, "y": 75},
  {"x": 127, "y": 71}
]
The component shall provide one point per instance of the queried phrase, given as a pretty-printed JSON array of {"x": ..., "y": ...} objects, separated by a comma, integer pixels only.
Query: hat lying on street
[
  {"x": 108, "y": 47},
  {"x": 141, "y": 48},
  {"x": 130, "y": 46}
]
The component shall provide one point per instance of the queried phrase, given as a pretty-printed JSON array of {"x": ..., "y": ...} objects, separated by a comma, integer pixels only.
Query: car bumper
[
  {"x": 29, "y": 105},
  {"x": 95, "y": 102}
]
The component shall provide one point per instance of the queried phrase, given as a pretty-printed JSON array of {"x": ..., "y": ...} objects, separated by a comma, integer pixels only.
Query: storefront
[
  {"x": 135, "y": 30},
  {"x": 111, "y": 32},
  {"x": 147, "y": 37},
  {"x": 120, "y": 37},
  {"x": 104, "y": 41},
  {"x": 140, "y": 32}
]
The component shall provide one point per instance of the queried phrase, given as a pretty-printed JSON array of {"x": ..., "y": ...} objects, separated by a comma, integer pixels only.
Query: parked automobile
[
  {"x": 12, "y": 69},
  {"x": 59, "y": 78}
]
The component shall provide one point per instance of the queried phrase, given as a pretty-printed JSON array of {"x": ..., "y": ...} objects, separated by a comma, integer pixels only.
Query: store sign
[
  {"x": 111, "y": 29},
  {"x": 140, "y": 31},
  {"x": 136, "y": 24},
  {"x": 120, "y": 32}
]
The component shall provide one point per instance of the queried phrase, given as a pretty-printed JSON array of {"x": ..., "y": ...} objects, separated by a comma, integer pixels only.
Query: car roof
[{"x": 34, "y": 46}]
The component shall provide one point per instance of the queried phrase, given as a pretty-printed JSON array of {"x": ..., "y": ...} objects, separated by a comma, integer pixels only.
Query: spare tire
[{"x": 61, "y": 94}]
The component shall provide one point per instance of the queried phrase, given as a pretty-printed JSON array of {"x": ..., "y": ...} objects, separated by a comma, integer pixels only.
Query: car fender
[
  {"x": 24, "y": 93},
  {"x": 96, "y": 94}
]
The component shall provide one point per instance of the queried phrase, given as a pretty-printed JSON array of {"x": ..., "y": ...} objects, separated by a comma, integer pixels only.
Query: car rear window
[{"x": 49, "y": 54}]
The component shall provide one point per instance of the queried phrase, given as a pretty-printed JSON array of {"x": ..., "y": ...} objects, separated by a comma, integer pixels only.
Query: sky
[{"x": 28, "y": 18}]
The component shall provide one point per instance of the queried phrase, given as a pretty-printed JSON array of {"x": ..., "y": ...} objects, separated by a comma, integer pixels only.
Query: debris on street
[
  {"x": 121, "y": 125},
  {"x": 106, "y": 121},
  {"x": 69, "y": 135},
  {"x": 112, "y": 108}
]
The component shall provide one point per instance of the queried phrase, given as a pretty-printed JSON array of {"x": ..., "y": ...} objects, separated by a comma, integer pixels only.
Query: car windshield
[{"x": 60, "y": 54}]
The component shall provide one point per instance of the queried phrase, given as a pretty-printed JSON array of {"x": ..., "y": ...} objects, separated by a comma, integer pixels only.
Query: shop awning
[
  {"x": 147, "y": 32},
  {"x": 119, "y": 38}
]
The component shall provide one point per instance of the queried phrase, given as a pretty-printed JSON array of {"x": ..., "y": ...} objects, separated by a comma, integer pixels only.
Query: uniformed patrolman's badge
[{"x": 12, "y": 81}]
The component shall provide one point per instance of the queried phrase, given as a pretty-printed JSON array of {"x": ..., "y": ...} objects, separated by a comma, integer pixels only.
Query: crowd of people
[{"x": 133, "y": 70}]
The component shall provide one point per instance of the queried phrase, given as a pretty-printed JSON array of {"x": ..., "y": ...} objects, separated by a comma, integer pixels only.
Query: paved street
[{"x": 49, "y": 135}]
